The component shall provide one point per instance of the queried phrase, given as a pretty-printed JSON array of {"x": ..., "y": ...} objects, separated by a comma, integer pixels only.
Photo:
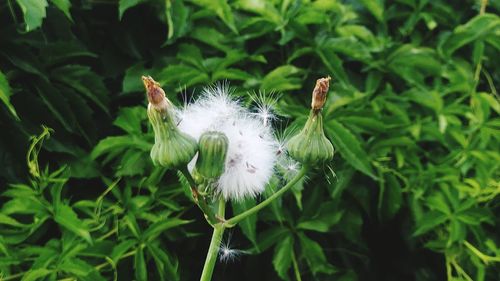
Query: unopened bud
[
  {"x": 211, "y": 154},
  {"x": 319, "y": 93},
  {"x": 310, "y": 146},
  {"x": 172, "y": 148}
]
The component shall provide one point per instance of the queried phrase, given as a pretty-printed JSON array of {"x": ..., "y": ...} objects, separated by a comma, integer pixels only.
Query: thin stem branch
[
  {"x": 296, "y": 267},
  {"x": 485, "y": 258},
  {"x": 236, "y": 219},
  {"x": 213, "y": 250},
  {"x": 12, "y": 12},
  {"x": 199, "y": 199},
  {"x": 482, "y": 9},
  {"x": 15, "y": 276},
  {"x": 477, "y": 72}
]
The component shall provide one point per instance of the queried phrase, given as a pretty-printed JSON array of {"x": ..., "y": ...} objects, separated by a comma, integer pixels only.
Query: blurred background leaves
[{"x": 413, "y": 113}]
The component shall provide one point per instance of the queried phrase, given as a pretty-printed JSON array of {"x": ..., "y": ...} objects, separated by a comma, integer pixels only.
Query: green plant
[
  {"x": 248, "y": 153},
  {"x": 414, "y": 119}
]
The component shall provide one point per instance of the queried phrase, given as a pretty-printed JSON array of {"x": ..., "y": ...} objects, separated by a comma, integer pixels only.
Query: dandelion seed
[
  {"x": 228, "y": 254},
  {"x": 265, "y": 104},
  {"x": 282, "y": 137},
  {"x": 288, "y": 168}
]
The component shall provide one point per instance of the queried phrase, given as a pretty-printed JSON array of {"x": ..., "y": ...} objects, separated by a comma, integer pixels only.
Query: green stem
[
  {"x": 485, "y": 258},
  {"x": 236, "y": 219},
  {"x": 213, "y": 250},
  {"x": 296, "y": 267},
  {"x": 477, "y": 73},
  {"x": 200, "y": 199}
]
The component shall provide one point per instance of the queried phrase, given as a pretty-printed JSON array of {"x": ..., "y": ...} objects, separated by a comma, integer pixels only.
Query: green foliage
[{"x": 413, "y": 113}]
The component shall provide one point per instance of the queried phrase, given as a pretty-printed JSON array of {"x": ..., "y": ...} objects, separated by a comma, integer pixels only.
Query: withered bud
[
  {"x": 156, "y": 95},
  {"x": 319, "y": 93}
]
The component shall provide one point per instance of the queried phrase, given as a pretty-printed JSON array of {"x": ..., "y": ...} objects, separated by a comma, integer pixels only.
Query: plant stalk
[
  {"x": 236, "y": 219},
  {"x": 199, "y": 199},
  {"x": 296, "y": 267},
  {"x": 213, "y": 250}
]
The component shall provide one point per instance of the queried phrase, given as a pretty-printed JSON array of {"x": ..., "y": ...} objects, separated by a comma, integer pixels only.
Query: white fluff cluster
[{"x": 252, "y": 149}]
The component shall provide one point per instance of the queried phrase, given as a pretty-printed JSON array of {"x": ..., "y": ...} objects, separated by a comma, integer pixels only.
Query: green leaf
[
  {"x": 438, "y": 202},
  {"x": 349, "y": 147},
  {"x": 84, "y": 81},
  {"x": 231, "y": 74},
  {"x": 222, "y": 9},
  {"x": 5, "y": 94},
  {"x": 367, "y": 124},
  {"x": 266, "y": 9},
  {"x": 282, "y": 259},
  {"x": 249, "y": 224},
  {"x": 429, "y": 221},
  {"x": 210, "y": 36},
  {"x": 177, "y": 20},
  {"x": 114, "y": 144},
  {"x": 182, "y": 75},
  {"x": 375, "y": 7},
  {"x": 124, "y": 5},
  {"x": 457, "y": 231},
  {"x": 141, "y": 270},
  {"x": 64, "y": 6},
  {"x": 391, "y": 197},
  {"x": 33, "y": 12},
  {"x": 167, "y": 269},
  {"x": 333, "y": 63},
  {"x": 475, "y": 216},
  {"x": 414, "y": 63},
  {"x": 77, "y": 267},
  {"x": 478, "y": 28},
  {"x": 326, "y": 216},
  {"x": 269, "y": 237},
  {"x": 133, "y": 226},
  {"x": 129, "y": 119},
  {"x": 349, "y": 46},
  {"x": 282, "y": 78},
  {"x": 191, "y": 54},
  {"x": 430, "y": 99},
  {"x": 120, "y": 249},
  {"x": 132, "y": 162},
  {"x": 315, "y": 257},
  {"x": 6, "y": 220},
  {"x": 67, "y": 218},
  {"x": 158, "y": 227},
  {"x": 36, "y": 274}
]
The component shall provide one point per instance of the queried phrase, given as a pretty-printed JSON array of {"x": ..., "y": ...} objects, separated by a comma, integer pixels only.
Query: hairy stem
[
  {"x": 236, "y": 219},
  {"x": 213, "y": 250},
  {"x": 199, "y": 199}
]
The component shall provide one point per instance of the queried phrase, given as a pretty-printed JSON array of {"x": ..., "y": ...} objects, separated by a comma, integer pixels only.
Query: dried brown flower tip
[
  {"x": 156, "y": 95},
  {"x": 319, "y": 93}
]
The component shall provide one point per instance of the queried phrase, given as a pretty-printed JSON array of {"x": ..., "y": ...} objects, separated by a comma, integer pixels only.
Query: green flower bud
[
  {"x": 172, "y": 148},
  {"x": 310, "y": 146},
  {"x": 212, "y": 154}
]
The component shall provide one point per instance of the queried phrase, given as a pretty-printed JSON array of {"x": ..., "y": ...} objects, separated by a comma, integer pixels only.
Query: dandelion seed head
[{"x": 252, "y": 147}]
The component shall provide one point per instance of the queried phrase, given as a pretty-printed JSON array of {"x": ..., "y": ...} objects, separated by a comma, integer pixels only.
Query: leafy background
[{"x": 413, "y": 114}]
